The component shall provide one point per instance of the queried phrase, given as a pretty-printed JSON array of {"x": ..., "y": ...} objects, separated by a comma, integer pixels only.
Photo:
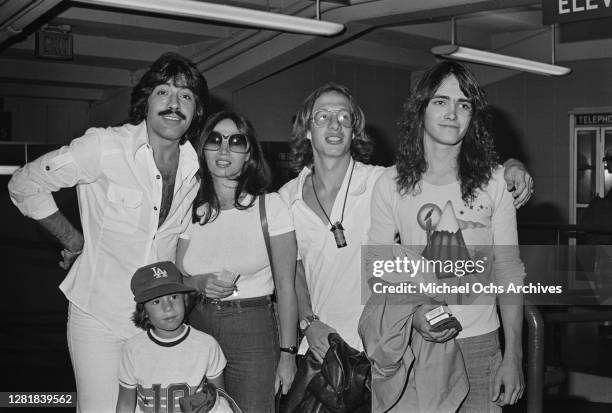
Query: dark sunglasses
[{"x": 237, "y": 142}]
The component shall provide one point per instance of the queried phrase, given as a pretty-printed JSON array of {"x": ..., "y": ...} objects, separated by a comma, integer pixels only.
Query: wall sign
[
  {"x": 53, "y": 45},
  {"x": 563, "y": 11},
  {"x": 591, "y": 119}
]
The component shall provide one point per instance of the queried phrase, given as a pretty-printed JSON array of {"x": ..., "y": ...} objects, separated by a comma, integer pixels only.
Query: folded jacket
[{"x": 409, "y": 374}]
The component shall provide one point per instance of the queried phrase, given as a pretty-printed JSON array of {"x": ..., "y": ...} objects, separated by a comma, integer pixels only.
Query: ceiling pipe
[
  {"x": 466, "y": 54},
  {"x": 248, "y": 39},
  {"x": 227, "y": 14},
  {"x": 21, "y": 14},
  {"x": 454, "y": 51},
  {"x": 244, "y": 40}
]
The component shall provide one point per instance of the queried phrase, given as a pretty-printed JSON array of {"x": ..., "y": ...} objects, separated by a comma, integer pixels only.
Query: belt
[{"x": 243, "y": 303}]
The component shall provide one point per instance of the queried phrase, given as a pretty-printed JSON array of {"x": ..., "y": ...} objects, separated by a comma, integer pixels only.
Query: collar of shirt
[
  {"x": 141, "y": 139},
  {"x": 357, "y": 179},
  {"x": 188, "y": 158}
]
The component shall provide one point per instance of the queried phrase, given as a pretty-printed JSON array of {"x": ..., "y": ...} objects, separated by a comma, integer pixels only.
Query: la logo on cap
[{"x": 159, "y": 273}]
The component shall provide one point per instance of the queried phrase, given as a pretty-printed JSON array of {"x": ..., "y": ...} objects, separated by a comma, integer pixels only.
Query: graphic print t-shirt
[
  {"x": 163, "y": 371},
  {"x": 443, "y": 226}
]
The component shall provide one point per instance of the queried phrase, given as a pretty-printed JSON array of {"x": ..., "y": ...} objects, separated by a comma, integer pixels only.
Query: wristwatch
[
  {"x": 290, "y": 349},
  {"x": 306, "y": 322}
]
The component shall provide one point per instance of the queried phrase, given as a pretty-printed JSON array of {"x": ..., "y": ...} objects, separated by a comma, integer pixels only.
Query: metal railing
[
  {"x": 535, "y": 320},
  {"x": 535, "y": 359}
]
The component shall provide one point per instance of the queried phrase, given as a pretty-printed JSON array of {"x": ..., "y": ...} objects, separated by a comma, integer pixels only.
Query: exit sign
[{"x": 53, "y": 45}]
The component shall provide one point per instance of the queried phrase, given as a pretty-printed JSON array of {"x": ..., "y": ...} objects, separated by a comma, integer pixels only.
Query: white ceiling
[{"x": 112, "y": 47}]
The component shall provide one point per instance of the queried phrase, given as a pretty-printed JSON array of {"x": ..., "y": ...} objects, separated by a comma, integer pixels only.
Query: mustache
[{"x": 171, "y": 111}]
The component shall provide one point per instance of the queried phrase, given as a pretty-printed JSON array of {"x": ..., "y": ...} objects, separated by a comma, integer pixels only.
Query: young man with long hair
[
  {"x": 330, "y": 205},
  {"x": 447, "y": 196}
]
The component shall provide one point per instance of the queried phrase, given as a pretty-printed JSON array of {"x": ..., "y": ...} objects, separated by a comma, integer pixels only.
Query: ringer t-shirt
[{"x": 164, "y": 370}]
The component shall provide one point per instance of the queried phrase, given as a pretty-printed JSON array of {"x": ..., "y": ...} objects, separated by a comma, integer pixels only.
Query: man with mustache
[{"x": 135, "y": 185}]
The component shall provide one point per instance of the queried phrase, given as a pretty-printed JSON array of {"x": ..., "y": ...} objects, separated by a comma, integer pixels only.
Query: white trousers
[{"x": 95, "y": 353}]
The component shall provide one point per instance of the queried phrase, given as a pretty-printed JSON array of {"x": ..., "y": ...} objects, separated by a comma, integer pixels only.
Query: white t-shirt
[
  {"x": 234, "y": 241},
  {"x": 333, "y": 274},
  {"x": 163, "y": 371}
]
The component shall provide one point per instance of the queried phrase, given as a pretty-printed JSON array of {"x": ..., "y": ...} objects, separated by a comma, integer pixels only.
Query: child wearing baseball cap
[{"x": 169, "y": 360}]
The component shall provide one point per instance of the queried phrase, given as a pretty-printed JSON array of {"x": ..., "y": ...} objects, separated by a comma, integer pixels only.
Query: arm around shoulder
[{"x": 519, "y": 181}]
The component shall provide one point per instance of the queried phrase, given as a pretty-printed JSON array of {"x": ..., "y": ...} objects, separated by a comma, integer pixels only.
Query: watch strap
[
  {"x": 308, "y": 320},
  {"x": 290, "y": 349},
  {"x": 312, "y": 318}
]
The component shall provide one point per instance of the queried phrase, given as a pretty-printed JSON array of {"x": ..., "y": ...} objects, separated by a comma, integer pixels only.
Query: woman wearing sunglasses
[{"x": 223, "y": 254}]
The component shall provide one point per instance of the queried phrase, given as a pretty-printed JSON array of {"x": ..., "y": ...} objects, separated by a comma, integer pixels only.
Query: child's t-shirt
[{"x": 163, "y": 370}]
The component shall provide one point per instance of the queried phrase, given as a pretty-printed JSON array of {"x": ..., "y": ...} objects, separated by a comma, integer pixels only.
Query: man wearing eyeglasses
[
  {"x": 135, "y": 185},
  {"x": 330, "y": 205}
]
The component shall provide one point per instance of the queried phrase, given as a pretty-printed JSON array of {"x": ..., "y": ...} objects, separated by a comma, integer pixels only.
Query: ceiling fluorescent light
[
  {"x": 467, "y": 54},
  {"x": 227, "y": 14}
]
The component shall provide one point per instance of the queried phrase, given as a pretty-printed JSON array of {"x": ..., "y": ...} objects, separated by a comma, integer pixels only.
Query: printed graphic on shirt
[
  {"x": 429, "y": 216},
  {"x": 446, "y": 248},
  {"x": 444, "y": 237},
  {"x": 158, "y": 399}
]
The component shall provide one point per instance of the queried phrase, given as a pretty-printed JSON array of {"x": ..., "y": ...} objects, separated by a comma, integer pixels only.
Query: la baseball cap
[{"x": 156, "y": 280}]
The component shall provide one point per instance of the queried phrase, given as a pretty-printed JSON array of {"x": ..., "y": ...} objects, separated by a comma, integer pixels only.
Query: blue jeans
[
  {"x": 482, "y": 358},
  {"x": 249, "y": 340}
]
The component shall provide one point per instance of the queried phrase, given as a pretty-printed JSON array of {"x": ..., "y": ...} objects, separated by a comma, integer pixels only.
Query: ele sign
[{"x": 563, "y": 11}]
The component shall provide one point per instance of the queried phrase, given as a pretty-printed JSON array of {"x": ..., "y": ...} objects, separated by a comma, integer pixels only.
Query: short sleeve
[
  {"x": 186, "y": 234},
  {"x": 383, "y": 227},
  {"x": 216, "y": 360},
  {"x": 279, "y": 217},
  {"x": 127, "y": 375}
]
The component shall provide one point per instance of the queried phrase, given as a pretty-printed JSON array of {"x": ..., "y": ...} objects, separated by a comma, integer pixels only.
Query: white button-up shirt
[
  {"x": 119, "y": 190},
  {"x": 333, "y": 274}
]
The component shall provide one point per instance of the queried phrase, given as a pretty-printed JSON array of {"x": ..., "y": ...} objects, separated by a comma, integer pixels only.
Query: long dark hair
[
  {"x": 183, "y": 73},
  {"x": 140, "y": 318},
  {"x": 254, "y": 179},
  {"x": 301, "y": 147},
  {"x": 477, "y": 156}
]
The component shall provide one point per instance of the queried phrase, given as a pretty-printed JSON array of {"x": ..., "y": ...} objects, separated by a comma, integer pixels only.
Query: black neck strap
[{"x": 345, "y": 196}]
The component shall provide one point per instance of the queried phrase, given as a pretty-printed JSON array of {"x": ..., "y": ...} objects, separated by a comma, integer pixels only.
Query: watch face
[{"x": 304, "y": 324}]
